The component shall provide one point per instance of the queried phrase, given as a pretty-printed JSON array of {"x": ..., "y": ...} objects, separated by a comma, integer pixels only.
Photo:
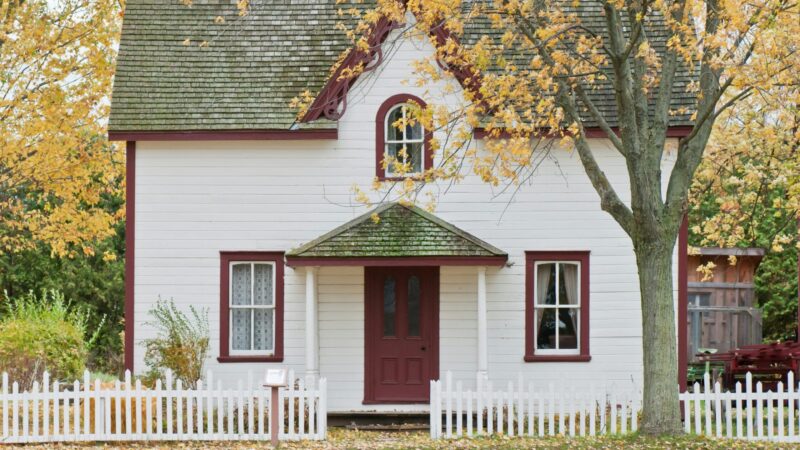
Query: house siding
[{"x": 195, "y": 199}]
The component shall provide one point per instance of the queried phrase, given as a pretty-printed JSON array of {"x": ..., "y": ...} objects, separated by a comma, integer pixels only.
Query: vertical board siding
[
  {"x": 97, "y": 411},
  {"x": 194, "y": 199}
]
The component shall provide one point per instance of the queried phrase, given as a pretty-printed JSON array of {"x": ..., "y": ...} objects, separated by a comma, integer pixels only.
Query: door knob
[{"x": 423, "y": 348}]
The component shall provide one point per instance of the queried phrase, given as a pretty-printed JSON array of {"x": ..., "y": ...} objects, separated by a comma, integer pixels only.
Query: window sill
[
  {"x": 415, "y": 176},
  {"x": 558, "y": 358},
  {"x": 249, "y": 359}
]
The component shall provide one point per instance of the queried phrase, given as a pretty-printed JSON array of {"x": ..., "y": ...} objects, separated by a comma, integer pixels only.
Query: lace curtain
[{"x": 252, "y": 307}]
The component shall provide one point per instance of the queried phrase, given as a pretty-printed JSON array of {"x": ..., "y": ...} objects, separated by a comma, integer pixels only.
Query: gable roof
[
  {"x": 254, "y": 65},
  {"x": 400, "y": 232}
]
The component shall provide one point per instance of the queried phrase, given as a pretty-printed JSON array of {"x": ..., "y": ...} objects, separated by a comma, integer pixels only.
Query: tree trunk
[{"x": 661, "y": 414}]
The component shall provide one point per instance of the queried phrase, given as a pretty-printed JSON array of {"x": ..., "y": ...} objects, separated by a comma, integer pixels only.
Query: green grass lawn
[{"x": 339, "y": 438}]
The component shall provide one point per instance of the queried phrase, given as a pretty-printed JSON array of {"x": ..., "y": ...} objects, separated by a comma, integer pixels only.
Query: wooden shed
[{"x": 722, "y": 310}]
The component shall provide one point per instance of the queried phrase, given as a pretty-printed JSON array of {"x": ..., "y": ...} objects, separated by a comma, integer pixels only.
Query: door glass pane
[
  {"x": 240, "y": 329},
  {"x": 546, "y": 329},
  {"x": 263, "y": 284},
  {"x": 389, "y": 306},
  {"x": 413, "y": 306},
  {"x": 240, "y": 284}
]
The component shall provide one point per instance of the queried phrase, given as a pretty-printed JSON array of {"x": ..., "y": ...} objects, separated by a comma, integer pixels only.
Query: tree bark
[{"x": 661, "y": 414}]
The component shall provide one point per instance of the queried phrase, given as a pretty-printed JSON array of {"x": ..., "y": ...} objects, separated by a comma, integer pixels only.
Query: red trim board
[
  {"x": 570, "y": 255},
  {"x": 130, "y": 248},
  {"x": 223, "y": 135},
  {"x": 225, "y": 258}
]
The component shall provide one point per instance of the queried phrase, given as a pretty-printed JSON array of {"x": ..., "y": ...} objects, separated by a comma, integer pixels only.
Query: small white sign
[{"x": 275, "y": 378}]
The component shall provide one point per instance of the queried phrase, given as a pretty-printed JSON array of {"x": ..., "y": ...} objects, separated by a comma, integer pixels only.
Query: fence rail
[
  {"x": 745, "y": 413},
  {"x": 127, "y": 411},
  {"x": 531, "y": 411}
]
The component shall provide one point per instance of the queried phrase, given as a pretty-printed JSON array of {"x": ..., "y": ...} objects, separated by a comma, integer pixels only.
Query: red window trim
[
  {"x": 380, "y": 135},
  {"x": 531, "y": 257},
  {"x": 226, "y": 257}
]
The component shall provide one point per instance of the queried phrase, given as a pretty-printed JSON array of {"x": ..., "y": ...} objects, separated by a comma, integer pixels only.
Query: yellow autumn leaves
[{"x": 56, "y": 166}]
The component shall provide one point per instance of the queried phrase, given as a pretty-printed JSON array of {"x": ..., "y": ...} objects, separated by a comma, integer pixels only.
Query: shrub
[
  {"x": 40, "y": 334},
  {"x": 180, "y": 345}
]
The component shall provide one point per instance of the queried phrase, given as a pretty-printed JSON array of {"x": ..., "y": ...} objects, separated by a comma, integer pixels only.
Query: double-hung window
[
  {"x": 251, "y": 308},
  {"x": 557, "y": 306},
  {"x": 403, "y": 143}
]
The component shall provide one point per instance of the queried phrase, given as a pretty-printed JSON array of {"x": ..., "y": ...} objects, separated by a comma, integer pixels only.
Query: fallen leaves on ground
[{"x": 339, "y": 438}]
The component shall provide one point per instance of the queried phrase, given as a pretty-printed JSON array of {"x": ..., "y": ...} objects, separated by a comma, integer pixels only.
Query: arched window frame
[{"x": 381, "y": 131}]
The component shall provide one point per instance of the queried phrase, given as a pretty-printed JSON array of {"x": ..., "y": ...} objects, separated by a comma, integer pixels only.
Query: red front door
[{"x": 401, "y": 332}]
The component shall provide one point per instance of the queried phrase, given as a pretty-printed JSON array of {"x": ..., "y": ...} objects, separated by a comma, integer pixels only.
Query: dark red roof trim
[
  {"x": 298, "y": 261},
  {"x": 331, "y": 102},
  {"x": 222, "y": 135}
]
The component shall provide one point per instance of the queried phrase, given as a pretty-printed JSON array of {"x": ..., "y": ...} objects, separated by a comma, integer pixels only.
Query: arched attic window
[{"x": 409, "y": 144}]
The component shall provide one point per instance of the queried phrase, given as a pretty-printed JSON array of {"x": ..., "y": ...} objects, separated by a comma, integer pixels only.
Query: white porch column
[
  {"x": 483, "y": 364},
  {"x": 312, "y": 336}
]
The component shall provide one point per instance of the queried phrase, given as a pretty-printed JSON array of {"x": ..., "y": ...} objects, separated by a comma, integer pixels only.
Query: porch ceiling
[{"x": 396, "y": 234}]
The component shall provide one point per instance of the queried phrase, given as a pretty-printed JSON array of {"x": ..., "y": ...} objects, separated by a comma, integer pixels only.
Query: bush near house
[
  {"x": 180, "y": 345},
  {"x": 42, "y": 333}
]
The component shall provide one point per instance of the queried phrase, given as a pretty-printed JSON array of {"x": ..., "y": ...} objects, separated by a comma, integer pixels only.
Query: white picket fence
[
  {"x": 126, "y": 411},
  {"x": 531, "y": 411},
  {"x": 752, "y": 414}
]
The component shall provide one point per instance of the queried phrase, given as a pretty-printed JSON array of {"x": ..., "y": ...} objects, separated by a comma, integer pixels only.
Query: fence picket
[
  {"x": 779, "y": 405},
  {"x": 760, "y": 409},
  {"x": 790, "y": 400}
]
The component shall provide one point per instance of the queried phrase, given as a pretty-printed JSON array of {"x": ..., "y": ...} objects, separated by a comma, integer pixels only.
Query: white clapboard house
[{"x": 238, "y": 206}]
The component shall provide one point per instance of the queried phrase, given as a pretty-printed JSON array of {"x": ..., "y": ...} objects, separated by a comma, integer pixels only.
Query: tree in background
[
  {"x": 56, "y": 66},
  {"x": 539, "y": 63},
  {"x": 61, "y": 181},
  {"x": 746, "y": 194}
]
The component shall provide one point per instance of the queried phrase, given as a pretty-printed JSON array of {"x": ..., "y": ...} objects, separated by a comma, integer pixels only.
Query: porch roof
[{"x": 395, "y": 234}]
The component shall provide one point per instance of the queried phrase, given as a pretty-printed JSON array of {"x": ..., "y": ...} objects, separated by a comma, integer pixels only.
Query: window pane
[
  {"x": 568, "y": 284},
  {"x": 262, "y": 331},
  {"x": 392, "y": 132},
  {"x": 546, "y": 326},
  {"x": 240, "y": 329},
  {"x": 414, "y": 132},
  {"x": 413, "y": 306},
  {"x": 546, "y": 284},
  {"x": 263, "y": 284},
  {"x": 389, "y": 306},
  {"x": 568, "y": 328},
  {"x": 415, "y": 157},
  {"x": 393, "y": 154},
  {"x": 240, "y": 284}
]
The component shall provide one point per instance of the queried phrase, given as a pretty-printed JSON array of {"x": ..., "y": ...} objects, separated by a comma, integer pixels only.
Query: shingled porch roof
[{"x": 402, "y": 235}]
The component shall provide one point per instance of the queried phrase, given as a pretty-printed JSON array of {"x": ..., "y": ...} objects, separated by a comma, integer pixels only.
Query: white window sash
[
  {"x": 405, "y": 140},
  {"x": 252, "y": 307},
  {"x": 557, "y": 306}
]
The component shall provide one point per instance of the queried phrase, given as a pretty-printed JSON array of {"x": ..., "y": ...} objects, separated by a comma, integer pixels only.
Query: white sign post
[{"x": 275, "y": 379}]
